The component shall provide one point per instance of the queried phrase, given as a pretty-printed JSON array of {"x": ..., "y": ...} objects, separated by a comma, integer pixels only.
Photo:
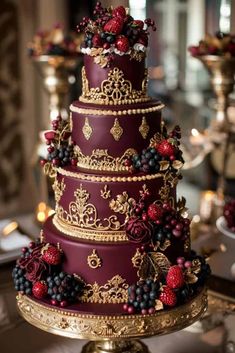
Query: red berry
[
  {"x": 165, "y": 148},
  {"x": 125, "y": 307},
  {"x": 131, "y": 310},
  {"x": 119, "y": 12},
  {"x": 63, "y": 304},
  {"x": 151, "y": 311},
  {"x": 43, "y": 162},
  {"x": 144, "y": 311},
  {"x": 106, "y": 45},
  {"x": 55, "y": 161},
  {"x": 51, "y": 255},
  {"x": 74, "y": 161},
  {"x": 175, "y": 277},
  {"x": 137, "y": 23},
  {"x": 97, "y": 41},
  {"x": 128, "y": 162},
  {"x": 54, "y": 302},
  {"x": 122, "y": 44},
  {"x": 39, "y": 289},
  {"x": 168, "y": 296},
  {"x": 32, "y": 245},
  {"x": 114, "y": 25},
  {"x": 154, "y": 212},
  {"x": 144, "y": 217}
]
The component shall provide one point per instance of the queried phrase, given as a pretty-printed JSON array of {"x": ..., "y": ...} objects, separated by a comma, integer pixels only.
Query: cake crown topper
[{"x": 114, "y": 31}]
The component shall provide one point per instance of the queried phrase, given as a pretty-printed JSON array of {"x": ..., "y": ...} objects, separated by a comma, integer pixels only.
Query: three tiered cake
[{"x": 119, "y": 240}]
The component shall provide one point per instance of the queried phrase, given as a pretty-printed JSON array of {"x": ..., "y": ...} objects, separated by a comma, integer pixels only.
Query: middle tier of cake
[{"x": 96, "y": 207}]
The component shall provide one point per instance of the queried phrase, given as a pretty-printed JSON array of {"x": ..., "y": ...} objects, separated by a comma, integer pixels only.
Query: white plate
[{"x": 222, "y": 227}]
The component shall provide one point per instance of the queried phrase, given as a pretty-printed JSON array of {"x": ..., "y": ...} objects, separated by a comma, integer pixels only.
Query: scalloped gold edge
[
  {"x": 88, "y": 111},
  {"x": 99, "y": 327}
]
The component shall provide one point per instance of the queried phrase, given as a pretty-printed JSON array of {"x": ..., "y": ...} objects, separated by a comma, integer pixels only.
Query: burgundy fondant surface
[
  {"x": 94, "y": 189},
  {"x": 116, "y": 257},
  {"x": 133, "y": 70},
  {"x": 101, "y": 138}
]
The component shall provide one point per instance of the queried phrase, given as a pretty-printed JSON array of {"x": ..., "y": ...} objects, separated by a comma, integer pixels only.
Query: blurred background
[{"x": 178, "y": 80}]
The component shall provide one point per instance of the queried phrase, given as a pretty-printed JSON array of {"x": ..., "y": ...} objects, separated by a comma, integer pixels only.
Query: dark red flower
[
  {"x": 138, "y": 231},
  {"x": 35, "y": 269}
]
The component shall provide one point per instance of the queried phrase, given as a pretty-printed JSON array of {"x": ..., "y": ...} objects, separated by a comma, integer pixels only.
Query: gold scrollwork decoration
[
  {"x": 59, "y": 188},
  {"x": 114, "y": 90},
  {"x": 93, "y": 260},
  {"x": 105, "y": 193},
  {"x": 116, "y": 131},
  {"x": 137, "y": 258},
  {"x": 96, "y": 326},
  {"x": 144, "y": 128},
  {"x": 123, "y": 204},
  {"x": 87, "y": 129},
  {"x": 114, "y": 291},
  {"x": 101, "y": 160}
]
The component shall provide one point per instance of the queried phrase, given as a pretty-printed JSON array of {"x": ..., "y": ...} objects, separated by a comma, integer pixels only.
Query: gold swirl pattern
[
  {"x": 114, "y": 292},
  {"x": 144, "y": 128},
  {"x": 101, "y": 160},
  {"x": 115, "y": 90},
  {"x": 87, "y": 129}
]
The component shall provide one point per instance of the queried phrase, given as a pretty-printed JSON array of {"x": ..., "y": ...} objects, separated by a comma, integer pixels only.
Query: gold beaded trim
[
  {"x": 115, "y": 90},
  {"x": 89, "y": 234},
  {"x": 116, "y": 112},
  {"x": 105, "y": 179}
]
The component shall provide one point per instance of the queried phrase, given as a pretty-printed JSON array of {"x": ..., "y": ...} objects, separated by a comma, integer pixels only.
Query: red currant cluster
[
  {"x": 229, "y": 214},
  {"x": 114, "y": 27},
  {"x": 60, "y": 149},
  {"x": 150, "y": 159}
]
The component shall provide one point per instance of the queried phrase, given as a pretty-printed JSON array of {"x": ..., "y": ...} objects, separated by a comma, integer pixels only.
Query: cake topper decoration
[{"x": 114, "y": 31}]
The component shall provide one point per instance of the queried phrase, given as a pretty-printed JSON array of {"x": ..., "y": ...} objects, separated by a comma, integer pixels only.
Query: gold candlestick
[{"x": 57, "y": 74}]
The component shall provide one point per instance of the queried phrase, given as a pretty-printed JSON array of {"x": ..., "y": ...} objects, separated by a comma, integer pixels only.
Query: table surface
[{"x": 18, "y": 335}]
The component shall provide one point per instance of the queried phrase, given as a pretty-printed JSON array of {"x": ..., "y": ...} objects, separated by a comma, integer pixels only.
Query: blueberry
[
  {"x": 152, "y": 162},
  {"x": 59, "y": 297},
  {"x": 139, "y": 291},
  {"x": 143, "y": 305},
  {"x": 153, "y": 295},
  {"x": 146, "y": 296},
  {"x": 110, "y": 38},
  {"x": 62, "y": 275},
  {"x": 28, "y": 291}
]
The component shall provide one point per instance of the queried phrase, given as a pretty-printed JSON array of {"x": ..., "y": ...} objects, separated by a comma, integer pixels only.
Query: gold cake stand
[{"x": 111, "y": 333}]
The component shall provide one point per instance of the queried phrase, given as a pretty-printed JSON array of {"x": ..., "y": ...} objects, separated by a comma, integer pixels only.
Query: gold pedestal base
[
  {"x": 115, "y": 347},
  {"x": 111, "y": 333}
]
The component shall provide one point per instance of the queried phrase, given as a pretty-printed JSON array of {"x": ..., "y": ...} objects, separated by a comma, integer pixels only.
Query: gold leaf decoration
[
  {"x": 155, "y": 140},
  {"x": 144, "y": 128},
  {"x": 177, "y": 164},
  {"x": 87, "y": 129},
  {"x": 164, "y": 165},
  {"x": 49, "y": 170},
  {"x": 123, "y": 204},
  {"x": 105, "y": 193},
  {"x": 158, "y": 305},
  {"x": 190, "y": 277},
  {"x": 164, "y": 246},
  {"x": 181, "y": 206},
  {"x": 116, "y": 130},
  {"x": 152, "y": 265}
]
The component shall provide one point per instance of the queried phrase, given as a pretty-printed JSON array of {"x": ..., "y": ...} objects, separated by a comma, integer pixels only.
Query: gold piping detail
[
  {"x": 87, "y": 129},
  {"x": 144, "y": 128},
  {"x": 104, "y": 179},
  {"x": 93, "y": 260},
  {"x": 137, "y": 258},
  {"x": 114, "y": 90},
  {"x": 105, "y": 193},
  {"x": 116, "y": 131},
  {"x": 116, "y": 112},
  {"x": 101, "y": 160},
  {"x": 114, "y": 291}
]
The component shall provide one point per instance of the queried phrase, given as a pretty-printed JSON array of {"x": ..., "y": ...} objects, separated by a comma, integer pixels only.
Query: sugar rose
[{"x": 138, "y": 231}]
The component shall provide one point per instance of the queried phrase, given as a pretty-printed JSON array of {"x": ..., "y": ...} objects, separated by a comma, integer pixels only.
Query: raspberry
[
  {"x": 165, "y": 148},
  {"x": 138, "y": 23},
  {"x": 51, "y": 255},
  {"x": 168, "y": 297},
  {"x": 39, "y": 289},
  {"x": 119, "y": 12},
  {"x": 114, "y": 25},
  {"x": 122, "y": 44},
  {"x": 97, "y": 41},
  {"x": 154, "y": 212},
  {"x": 175, "y": 277}
]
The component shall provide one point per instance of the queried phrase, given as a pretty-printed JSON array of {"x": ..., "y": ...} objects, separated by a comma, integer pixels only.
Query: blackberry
[
  {"x": 64, "y": 287},
  {"x": 20, "y": 282},
  {"x": 142, "y": 296}
]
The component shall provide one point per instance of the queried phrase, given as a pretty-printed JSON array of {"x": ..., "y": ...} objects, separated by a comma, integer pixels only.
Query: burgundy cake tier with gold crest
[{"x": 118, "y": 235}]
